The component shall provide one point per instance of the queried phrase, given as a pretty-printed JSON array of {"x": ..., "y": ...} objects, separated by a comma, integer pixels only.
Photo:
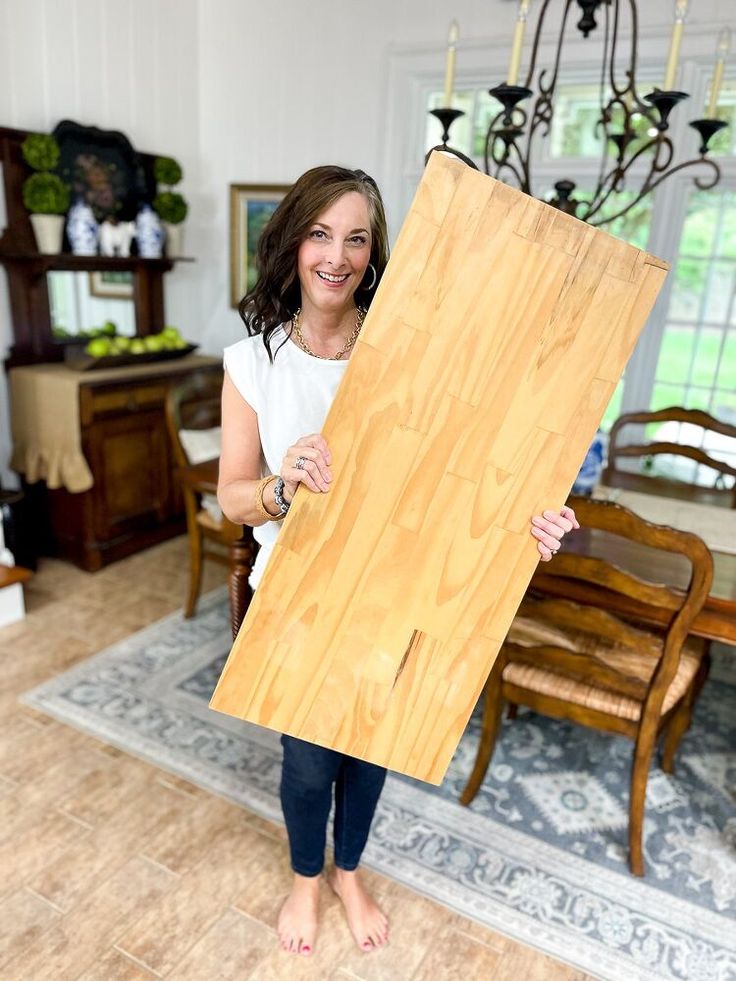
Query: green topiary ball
[
  {"x": 40, "y": 151},
  {"x": 166, "y": 170},
  {"x": 170, "y": 207},
  {"x": 45, "y": 194}
]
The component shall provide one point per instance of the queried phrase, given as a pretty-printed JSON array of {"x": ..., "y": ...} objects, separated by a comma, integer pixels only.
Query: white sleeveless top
[{"x": 291, "y": 398}]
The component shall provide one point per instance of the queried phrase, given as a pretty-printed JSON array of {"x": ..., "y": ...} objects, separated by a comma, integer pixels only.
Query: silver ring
[{"x": 300, "y": 462}]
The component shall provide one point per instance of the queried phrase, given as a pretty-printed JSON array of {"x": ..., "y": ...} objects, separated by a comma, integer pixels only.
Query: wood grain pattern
[{"x": 488, "y": 357}]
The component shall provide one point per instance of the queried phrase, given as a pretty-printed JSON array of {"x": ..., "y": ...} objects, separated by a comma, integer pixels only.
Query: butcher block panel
[{"x": 484, "y": 366}]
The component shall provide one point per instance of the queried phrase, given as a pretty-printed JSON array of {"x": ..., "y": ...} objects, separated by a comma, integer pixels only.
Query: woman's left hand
[{"x": 549, "y": 529}]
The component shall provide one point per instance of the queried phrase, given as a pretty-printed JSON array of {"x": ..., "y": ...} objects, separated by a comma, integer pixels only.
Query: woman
[{"x": 320, "y": 259}]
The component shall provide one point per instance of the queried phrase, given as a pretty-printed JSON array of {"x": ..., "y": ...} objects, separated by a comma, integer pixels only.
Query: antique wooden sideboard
[
  {"x": 113, "y": 419},
  {"x": 119, "y": 427}
]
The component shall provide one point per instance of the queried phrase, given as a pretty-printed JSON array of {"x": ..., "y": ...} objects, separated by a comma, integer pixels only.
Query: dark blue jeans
[{"x": 307, "y": 777}]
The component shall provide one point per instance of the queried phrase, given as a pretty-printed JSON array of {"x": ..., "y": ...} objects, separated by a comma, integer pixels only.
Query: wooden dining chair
[
  {"x": 688, "y": 445},
  {"x": 577, "y": 661},
  {"x": 193, "y": 420}
]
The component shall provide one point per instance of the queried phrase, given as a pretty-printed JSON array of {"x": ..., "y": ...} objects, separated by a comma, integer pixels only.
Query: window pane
[
  {"x": 573, "y": 132},
  {"x": 706, "y": 357},
  {"x": 698, "y": 233},
  {"x": 486, "y": 107},
  {"x": 675, "y": 354},
  {"x": 632, "y": 227},
  {"x": 577, "y": 109},
  {"x": 719, "y": 294},
  {"x": 723, "y": 406},
  {"x": 727, "y": 370},
  {"x": 726, "y": 245},
  {"x": 697, "y": 398},
  {"x": 691, "y": 277},
  {"x": 663, "y": 396}
]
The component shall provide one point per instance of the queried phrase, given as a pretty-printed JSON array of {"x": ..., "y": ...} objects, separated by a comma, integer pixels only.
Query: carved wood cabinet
[{"x": 134, "y": 501}]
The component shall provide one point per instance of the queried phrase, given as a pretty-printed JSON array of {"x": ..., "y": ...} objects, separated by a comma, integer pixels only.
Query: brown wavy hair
[{"x": 276, "y": 296}]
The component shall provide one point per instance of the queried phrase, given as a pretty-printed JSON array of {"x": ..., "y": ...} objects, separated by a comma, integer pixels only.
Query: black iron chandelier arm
[
  {"x": 602, "y": 193},
  {"x": 446, "y": 148},
  {"x": 506, "y": 137},
  {"x": 630, "y": 72},
  {"x": 617, "y": 174},
  {"x": 535, "y": 47},
  {"x": 503, "y": 163},
  {"x": 647, "y": 188}
]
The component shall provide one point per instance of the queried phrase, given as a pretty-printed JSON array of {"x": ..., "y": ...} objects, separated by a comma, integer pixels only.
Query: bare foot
[
  {"x": 367, "y": 922},
  {"x": 297, "y": 926}
]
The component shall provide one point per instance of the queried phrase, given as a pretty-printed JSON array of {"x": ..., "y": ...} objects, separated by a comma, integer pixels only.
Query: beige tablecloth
[
  {"x": 44, "y": 405},
  {"x": 715, "y": 525}
]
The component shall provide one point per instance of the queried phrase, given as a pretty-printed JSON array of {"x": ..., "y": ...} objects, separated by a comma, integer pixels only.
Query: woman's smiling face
[{"x": 333, "y": 257}]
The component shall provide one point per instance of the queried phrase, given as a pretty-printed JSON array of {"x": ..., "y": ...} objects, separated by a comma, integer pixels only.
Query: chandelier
[{"x": 633, "y": 129}]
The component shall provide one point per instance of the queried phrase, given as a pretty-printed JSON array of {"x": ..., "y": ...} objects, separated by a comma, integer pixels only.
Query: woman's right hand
[{"x": 315, "y": 474}]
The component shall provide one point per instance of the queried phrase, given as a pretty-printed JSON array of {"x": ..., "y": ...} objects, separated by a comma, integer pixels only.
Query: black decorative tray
[{"x": 88, "y": 363}]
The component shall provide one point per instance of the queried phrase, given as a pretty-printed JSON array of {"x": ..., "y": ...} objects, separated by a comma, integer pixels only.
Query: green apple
[
  {"x": 154, "y": 342},
  {"x": 98, "y": 348},
  {"x": 137, "y": 346},
  {"x": 172, "y": 332},
  {"x": 109, "y": 328}
]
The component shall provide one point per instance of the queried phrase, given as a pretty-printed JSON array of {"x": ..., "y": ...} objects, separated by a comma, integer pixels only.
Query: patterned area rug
[{"x": 541, "y": 853}]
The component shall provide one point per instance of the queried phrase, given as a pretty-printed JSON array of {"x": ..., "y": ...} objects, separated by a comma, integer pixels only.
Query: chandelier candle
[
  {"x": 722, "y": 49},
  {"x": 674, "y": 55},
  {"x": 452, "y": 37},
  {"x": 515, "y": 61}
]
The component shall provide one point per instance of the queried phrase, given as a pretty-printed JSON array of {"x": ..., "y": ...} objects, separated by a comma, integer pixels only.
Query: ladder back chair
[
  {"x": 579, "y": 662},
  {"x": 687, "y": 446},
  {"x": 193, "y": 420}
]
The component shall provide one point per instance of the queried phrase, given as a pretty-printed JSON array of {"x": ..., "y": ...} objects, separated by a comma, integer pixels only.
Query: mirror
[{"x": 82, "y": 301}]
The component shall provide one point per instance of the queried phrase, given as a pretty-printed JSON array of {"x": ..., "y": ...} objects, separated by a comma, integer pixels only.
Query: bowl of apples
[{"x": 115, "y": 351}]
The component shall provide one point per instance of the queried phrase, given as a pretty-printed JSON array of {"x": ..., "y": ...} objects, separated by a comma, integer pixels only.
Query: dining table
[{"x": 705, "y": 511}]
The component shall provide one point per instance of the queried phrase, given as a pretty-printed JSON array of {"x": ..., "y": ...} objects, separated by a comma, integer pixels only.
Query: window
[
  {"x": 690, "y": 359},
  {"x": 696, "y": 367}
]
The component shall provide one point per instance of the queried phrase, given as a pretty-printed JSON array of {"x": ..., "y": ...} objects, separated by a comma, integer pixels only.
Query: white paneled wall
[
  {"x": 249, "y": 91},
  {"x": 130, "y": 65}
]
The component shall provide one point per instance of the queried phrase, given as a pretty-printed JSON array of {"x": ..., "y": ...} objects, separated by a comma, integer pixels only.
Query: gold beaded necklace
[{"x": 360, "y": 316}]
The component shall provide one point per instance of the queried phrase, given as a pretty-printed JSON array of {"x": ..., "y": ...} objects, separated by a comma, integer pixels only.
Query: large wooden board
[{"x": 488, "y": 357}]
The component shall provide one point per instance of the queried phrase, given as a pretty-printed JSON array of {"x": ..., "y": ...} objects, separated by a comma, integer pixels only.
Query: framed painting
[
  {"x": 111, "y": 285},
  {"x": 251, "y": 205}
]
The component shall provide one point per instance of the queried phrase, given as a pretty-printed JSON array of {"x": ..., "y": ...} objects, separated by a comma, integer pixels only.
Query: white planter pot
[
  {"x": 49, "y": 231},
  {"x": 174, "y": 240}
]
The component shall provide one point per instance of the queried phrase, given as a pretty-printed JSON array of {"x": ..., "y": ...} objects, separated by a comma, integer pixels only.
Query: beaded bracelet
[
  {"x": 260, "y": 506},
  {"x": 278, "y": 495}
]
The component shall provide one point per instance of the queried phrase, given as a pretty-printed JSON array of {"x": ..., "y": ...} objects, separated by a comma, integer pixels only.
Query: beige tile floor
[{"x": 113, "y": 869}]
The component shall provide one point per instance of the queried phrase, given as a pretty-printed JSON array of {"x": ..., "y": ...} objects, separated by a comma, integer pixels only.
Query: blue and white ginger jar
[
  {"x": 148, "y": 233},
  {"x": 82, "y": 229},
  {"x": 592, "y": 468}
]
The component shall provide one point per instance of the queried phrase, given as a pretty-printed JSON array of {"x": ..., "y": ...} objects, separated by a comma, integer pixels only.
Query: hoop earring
[{"x": 373, "y": 281}]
